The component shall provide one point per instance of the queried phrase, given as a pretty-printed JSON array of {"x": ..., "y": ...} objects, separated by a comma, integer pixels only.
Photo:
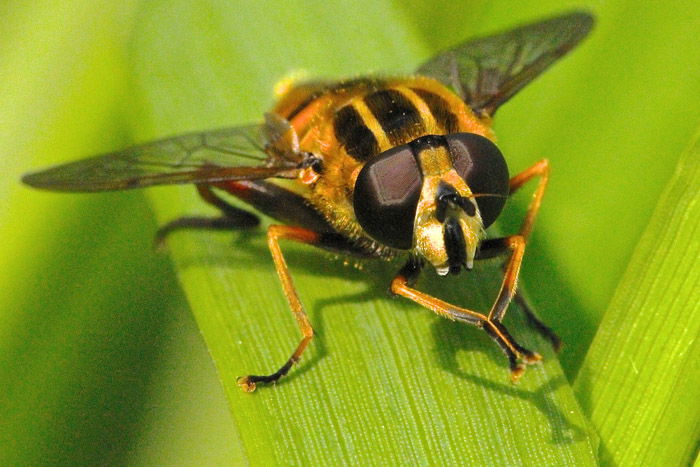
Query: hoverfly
[{"x": 379, "y": 168}]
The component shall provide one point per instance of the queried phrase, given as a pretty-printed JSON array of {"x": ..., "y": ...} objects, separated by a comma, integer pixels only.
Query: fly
[{"x": 380, "y": 167}]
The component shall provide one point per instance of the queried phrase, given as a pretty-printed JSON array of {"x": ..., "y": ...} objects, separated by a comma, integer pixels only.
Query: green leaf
[
  {"x": 384, "y": 381},
  {"x": 78, "y": 302},
  {"x": 640, "y": 381}
]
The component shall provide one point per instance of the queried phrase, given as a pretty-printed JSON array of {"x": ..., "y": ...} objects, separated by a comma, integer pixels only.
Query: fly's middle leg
[{"x": 274, "y": 234}]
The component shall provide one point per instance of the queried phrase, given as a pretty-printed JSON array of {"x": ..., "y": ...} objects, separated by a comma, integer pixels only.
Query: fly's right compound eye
[
  {"x": 386, "y": 197},
  {"x": 480, "y": 163}
]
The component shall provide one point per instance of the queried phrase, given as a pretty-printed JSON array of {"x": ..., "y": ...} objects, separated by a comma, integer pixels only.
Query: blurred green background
[{"x": 101, "y": 362}]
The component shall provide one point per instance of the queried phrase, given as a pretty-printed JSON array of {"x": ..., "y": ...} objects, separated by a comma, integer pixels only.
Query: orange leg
[
  {"x": 540, "y": 169},
  {"x": 517, "y": 355},
  {"x": 301, "y": 235},
  {"x": 515, "y": 244}
]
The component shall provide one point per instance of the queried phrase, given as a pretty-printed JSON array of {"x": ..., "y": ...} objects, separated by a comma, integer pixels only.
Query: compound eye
[
  {"x": 386, "y": 196},
  {"x": 480, "y": 163}
]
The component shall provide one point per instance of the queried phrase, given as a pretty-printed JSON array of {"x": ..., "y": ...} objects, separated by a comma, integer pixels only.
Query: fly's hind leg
[
  {"x": 517, "y": 355},
  {"x": 233, "y": 218}
]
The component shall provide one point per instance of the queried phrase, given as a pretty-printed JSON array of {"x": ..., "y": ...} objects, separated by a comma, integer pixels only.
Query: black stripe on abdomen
[
  {"x": 440, "y": 109},
  {"x": 396, "y": 114},
  {"x": 353, "y": 134}
]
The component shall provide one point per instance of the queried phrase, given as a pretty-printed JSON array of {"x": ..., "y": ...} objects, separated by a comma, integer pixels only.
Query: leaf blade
[
  {"x": 638, "y": 381},
  {"x": 384, "y": 381}
]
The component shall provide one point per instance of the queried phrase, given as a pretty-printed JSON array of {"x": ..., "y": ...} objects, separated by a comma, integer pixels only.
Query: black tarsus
[
  {"x": 233, "y": 218},
  {"x": 534, "y": 322},
  {"x": 204, "y": 223},
  {"x": 274, "y": 377},
  {"x": 512, "y": 358},
  {"x": 502, "y": 329}
]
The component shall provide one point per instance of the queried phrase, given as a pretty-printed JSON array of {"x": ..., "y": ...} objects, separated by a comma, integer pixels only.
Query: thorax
[{"x": 347, "y": 123}]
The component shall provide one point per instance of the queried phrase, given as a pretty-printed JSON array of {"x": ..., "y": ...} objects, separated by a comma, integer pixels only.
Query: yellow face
[{"x": 433, "y": 239}]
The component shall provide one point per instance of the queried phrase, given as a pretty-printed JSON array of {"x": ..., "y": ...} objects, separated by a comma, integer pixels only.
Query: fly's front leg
[
  {"x": 301, "y": 235},
  {"x": 517, "y": 355},
  {"x": 515, "y": 244}
]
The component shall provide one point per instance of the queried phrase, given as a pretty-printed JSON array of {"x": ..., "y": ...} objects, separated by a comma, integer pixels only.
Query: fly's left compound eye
[{"x": 386, "y": 197}]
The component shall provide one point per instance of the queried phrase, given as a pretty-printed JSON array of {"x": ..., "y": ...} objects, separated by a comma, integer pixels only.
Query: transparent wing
[
  {"x": 488, "y": 71},
  {"x": 238, "y": 153}
]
